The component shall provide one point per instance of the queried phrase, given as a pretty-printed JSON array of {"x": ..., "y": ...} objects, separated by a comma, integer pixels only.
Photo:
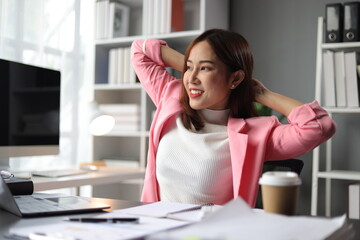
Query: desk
[
  {"x": 105, "y": 175},
  {"x": 8, "y": 220}
]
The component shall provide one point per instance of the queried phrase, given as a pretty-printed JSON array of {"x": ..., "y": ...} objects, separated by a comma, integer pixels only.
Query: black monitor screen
[{"x": 29, "y": 105}]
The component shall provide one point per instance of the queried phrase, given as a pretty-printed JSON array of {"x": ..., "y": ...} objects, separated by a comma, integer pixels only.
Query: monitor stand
[{"x": 4, "y": 163}]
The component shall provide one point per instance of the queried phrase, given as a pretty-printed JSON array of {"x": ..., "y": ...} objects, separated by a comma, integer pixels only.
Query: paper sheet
[
  {"x": 150, "y": 221},
  {"x": 166, "y": 209},
  {"x": 96, "y": 231},
  {"x": 237, "y": 221},
  {"x": 157, "y": 209}
]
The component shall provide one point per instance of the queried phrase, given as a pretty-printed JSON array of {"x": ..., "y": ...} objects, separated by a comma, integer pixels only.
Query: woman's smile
[{"x": 195, "y": 92}]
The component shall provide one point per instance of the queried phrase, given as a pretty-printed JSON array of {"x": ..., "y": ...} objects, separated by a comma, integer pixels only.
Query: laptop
[{"x": 33, "y": 206}]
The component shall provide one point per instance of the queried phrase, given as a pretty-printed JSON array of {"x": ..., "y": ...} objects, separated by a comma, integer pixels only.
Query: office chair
[{"x": 294, "y": 165}]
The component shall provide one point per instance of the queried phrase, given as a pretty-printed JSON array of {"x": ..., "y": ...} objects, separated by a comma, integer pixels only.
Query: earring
[{"x": 233, "y": 86}]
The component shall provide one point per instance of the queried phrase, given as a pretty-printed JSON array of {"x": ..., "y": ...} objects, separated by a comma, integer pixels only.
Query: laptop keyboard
[{"x": 29, "y": 204}]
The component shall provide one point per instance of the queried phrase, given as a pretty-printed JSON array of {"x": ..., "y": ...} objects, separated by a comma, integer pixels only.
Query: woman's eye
[
  {"x": 205, "y": 68},
  {"x": 188, "y": 68}
]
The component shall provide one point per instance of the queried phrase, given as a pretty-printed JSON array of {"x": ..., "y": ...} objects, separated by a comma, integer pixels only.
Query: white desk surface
[
  {"x": 8, "y": 220},
  {"x": 105, "y": 175}
]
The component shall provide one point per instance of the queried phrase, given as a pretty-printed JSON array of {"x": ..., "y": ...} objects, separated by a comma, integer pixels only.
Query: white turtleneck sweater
[{"x": 195, "y": 167}]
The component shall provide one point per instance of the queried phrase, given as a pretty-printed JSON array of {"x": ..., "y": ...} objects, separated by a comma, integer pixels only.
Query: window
[{"x": 55, "y": 34}]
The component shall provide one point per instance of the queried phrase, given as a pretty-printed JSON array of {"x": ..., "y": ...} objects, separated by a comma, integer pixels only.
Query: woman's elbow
[
  {"x": 314, "y": 135},
  {"x": 329, "y": 128}
]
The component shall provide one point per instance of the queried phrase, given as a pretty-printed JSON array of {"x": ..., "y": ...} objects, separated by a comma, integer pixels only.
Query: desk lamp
[{"x": 101, "y": 123}]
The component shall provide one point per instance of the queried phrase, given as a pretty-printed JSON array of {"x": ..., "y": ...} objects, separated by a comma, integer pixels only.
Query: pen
[
  {"x": 106, "y": 220},
  {"x": 197, "y": 207},
  {"x": 44, "y": 236}
]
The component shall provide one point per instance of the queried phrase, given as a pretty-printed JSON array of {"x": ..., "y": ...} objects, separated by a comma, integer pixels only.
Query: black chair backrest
[{"x": 294, "y": 165}]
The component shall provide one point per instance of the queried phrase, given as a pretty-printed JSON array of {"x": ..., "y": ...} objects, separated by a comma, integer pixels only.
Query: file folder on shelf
[
  {"x": 334, "y": 22},
  {"x": 329, "y": 79},
  {"x": 351, "y": 21},
  {"x": 351, "y": 78}
]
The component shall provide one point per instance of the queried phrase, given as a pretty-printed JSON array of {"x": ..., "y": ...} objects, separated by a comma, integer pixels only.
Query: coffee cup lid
[{"x": 276, "y": 178}]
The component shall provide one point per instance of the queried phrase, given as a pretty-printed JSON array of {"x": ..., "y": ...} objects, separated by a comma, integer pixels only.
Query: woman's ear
[{"x": 236, "y": 78}]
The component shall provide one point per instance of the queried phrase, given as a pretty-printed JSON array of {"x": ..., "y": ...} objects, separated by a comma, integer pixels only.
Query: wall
[{"x": 282, "y": 35}]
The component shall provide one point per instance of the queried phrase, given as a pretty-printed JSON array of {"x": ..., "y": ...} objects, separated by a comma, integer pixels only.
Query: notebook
[{"x": 31, "y": 206}]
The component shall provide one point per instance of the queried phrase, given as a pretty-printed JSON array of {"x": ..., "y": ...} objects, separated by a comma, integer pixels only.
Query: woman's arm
[
  {"x": 148, "y": 63},
  {"x": 275, "y": 101},
  {"x": 172, "y": 58}
]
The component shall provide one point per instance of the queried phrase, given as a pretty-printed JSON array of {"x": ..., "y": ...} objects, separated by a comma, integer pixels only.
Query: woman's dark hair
[{"x": 233, "y": 50}]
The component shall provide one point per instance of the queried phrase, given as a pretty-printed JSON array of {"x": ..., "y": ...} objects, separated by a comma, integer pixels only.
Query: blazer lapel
[
  {"x": 170, "y": 108},
  {"x": 238, "y": 146}
]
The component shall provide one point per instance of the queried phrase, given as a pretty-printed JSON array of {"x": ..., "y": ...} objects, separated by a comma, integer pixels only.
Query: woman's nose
[{"x": 193, "y": 78}]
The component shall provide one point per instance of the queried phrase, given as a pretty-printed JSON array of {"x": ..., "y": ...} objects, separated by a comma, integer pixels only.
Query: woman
[{"x": 206, "y": 143}]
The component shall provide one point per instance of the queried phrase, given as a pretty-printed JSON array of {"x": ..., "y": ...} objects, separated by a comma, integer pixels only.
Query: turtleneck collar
[{"x": 219, "y": 117}]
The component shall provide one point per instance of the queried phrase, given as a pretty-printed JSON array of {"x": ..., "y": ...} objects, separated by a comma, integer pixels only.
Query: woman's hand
[
  {"x": 259, "y": 89},
  {"x": 275, "y": 101}
]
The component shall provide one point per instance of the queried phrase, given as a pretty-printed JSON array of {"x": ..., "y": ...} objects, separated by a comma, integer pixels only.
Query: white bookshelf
[
  {"x": 328, "y": 173},
  {"x": 199, "y": 15}
]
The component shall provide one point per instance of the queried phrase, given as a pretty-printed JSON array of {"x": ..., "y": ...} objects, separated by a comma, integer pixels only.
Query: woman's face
[{"x": 206, "y": 79}]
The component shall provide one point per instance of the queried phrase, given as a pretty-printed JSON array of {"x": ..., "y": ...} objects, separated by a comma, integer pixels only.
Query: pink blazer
[{"x": 252, "y": 140}]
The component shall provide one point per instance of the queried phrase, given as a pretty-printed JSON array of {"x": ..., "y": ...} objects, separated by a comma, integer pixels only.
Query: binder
[
  {"x": 177, "y": 16},
  {"x": 351, "y": 21},
  {"x": 329, "y": 79},
  {"x": 351, "y": 79},
  {"x": 340, "y": 85},
  {"x": 353, "y": 203},
  {"x": 334, "y": 22}
]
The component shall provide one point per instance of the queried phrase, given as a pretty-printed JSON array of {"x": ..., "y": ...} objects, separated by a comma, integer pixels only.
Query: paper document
[
  {"x": 158, "y": 209},
  {"x": 153, "y": 217},
  {"x": 162, "y": 209},
  {"x": 96, "y": 231},
  {"x": 236, "y": 220}
]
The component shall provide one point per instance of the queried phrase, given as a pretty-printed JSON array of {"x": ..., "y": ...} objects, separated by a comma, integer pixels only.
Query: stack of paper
[
  {"x": 151, "y": 220},
  {"x": 127, "y": 116},
  {"x": 237, "y": 221},
  {"x": 120, "y": 161},
  {"x": 170, "y": 210}
]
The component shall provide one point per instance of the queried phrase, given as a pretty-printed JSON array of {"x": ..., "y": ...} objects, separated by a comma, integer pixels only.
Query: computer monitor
[{"x": 29, "y": 111}]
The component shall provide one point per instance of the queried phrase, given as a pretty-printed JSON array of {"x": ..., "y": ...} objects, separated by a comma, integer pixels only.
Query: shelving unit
[
  {"x": 204, "y": 13},
  {"x": 328, "y": 174}
]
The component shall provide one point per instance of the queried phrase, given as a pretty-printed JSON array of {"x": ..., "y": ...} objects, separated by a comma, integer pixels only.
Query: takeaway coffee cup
[{"x": 280, "y": 192}]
